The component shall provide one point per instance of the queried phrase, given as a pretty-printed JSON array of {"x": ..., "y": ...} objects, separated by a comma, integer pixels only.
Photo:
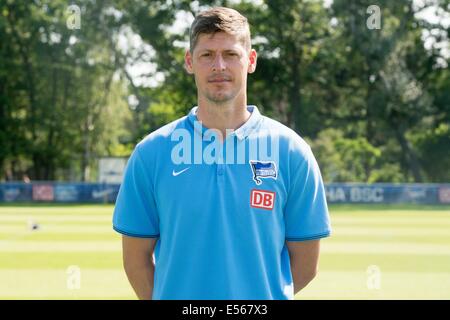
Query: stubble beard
[{"x": 220, "y": 97}]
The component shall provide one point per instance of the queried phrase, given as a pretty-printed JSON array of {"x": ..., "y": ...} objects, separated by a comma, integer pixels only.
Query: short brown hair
[{"x": 220, "y": 19}]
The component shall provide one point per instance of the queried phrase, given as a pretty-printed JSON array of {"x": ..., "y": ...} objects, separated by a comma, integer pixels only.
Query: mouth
[{"x": 219, "y": 80}]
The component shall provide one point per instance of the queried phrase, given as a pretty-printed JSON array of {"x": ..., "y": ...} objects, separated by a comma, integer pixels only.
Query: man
[{"x": 222, "y": 219}]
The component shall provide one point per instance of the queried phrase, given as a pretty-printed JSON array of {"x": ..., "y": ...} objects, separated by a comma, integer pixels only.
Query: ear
[
  {"x": 252, "y": 58},
  {"x": 188, "y": 62}
]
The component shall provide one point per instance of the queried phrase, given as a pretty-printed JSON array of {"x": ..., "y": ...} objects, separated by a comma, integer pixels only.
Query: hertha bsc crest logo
[{"x": 263, "y": 170}]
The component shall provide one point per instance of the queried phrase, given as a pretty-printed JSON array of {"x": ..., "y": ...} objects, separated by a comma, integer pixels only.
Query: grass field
[{"x": 375, "y": 252}]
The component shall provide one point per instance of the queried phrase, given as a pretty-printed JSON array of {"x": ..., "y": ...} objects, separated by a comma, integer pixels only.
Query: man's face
[{"x": 220, "y": 64}]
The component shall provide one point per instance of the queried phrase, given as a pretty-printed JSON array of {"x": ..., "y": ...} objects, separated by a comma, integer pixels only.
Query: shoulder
[
  {"x": 289, "y": 140},
  {"x": 296, "y": 159},
  {"x": 160, "y": 138}
]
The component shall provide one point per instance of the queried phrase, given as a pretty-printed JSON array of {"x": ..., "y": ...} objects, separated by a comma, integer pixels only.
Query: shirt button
[{"x": 220, "y": 171}]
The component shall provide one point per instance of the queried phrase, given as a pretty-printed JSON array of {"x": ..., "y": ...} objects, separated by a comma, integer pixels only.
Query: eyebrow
[{"x": 209, "y": 50}]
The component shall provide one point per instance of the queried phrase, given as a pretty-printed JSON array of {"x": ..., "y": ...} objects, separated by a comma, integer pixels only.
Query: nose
[{"x": 219, "y": 63}]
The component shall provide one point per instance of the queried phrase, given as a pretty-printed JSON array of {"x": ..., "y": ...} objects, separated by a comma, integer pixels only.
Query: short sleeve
[
  {"x": 135, "y": 211},
  {"x": 306, "y": 211}
]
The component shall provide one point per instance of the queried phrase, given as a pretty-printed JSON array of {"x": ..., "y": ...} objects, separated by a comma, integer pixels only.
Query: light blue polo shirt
[{"x": 222, "y": 225}]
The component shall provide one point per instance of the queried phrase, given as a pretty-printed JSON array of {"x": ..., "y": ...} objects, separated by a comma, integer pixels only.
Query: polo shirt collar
[{"x": 241, "y": 133}]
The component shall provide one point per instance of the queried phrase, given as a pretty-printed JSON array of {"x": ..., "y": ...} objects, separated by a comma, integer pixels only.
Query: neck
[{"x": 224, "y": 116}]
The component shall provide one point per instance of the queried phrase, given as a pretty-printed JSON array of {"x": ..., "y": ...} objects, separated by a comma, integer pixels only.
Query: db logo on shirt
[{"x": 262, "y": 199}]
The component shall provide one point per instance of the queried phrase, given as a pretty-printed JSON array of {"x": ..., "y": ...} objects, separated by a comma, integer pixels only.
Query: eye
[{"x": 205, "y": 55}]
